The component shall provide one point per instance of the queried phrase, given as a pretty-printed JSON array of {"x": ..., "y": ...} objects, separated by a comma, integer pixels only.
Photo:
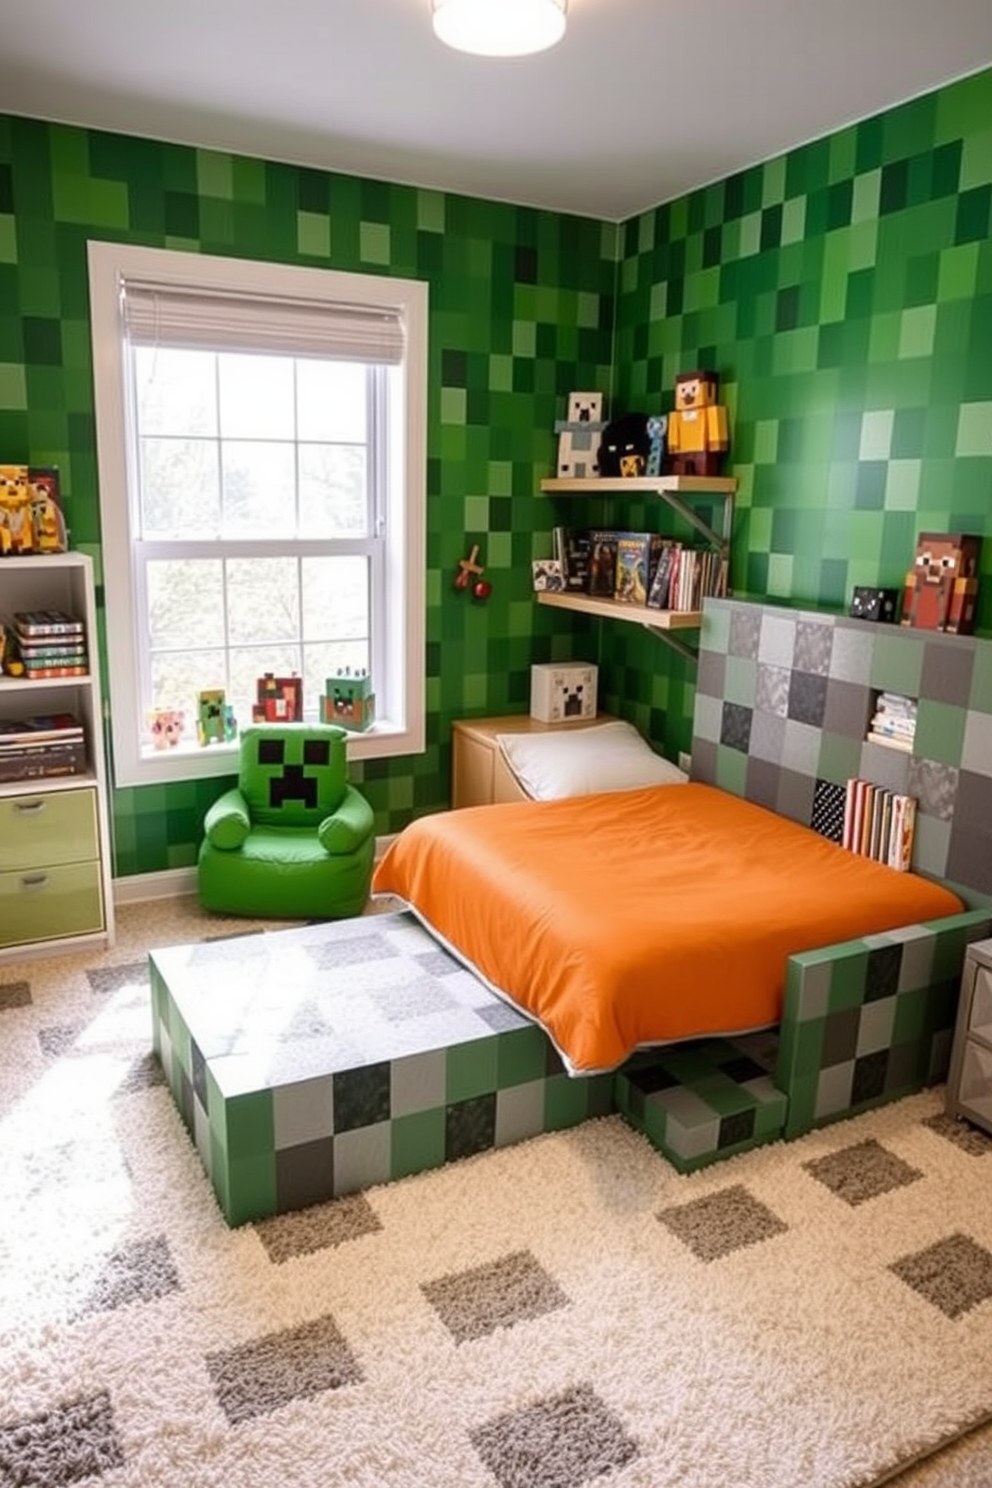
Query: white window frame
[{"x": 398, "y": 608}]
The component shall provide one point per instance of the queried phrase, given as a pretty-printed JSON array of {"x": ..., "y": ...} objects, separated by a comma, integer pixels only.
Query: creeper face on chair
[{"x": 293, "y": 774}]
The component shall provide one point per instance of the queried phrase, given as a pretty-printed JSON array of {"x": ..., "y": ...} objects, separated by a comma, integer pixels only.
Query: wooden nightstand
[
  {"x": 969, "y": 1083},
  {"x": 479, "y": 773}
]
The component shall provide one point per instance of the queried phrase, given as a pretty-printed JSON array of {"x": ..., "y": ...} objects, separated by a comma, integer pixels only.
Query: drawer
[
  {"x": 48, "y": 827},
  {"x": 975, "y": 1092},
  {"x": 47, "y": 903},
  {"x": 980, "y": 1008}
]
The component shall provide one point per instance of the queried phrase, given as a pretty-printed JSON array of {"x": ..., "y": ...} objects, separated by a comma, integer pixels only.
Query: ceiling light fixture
[{"x": 499, "y": 28}]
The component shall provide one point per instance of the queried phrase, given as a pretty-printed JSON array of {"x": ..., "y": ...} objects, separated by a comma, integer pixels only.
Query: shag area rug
[{"x": 567, "y": 1311}]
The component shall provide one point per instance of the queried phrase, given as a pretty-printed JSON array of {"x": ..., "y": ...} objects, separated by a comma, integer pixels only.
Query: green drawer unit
[
  {"x": 48, "y": 827},
  {"x": 38, "y": 904}
]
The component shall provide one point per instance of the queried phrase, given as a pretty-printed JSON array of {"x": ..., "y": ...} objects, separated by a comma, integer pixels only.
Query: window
[{"x": 261, "y": 446}]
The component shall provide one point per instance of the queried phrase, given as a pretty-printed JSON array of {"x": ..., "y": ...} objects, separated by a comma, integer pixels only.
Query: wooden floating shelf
[
  {"x": 659, "y": 485},
  {"x": 614, "y": 609}
]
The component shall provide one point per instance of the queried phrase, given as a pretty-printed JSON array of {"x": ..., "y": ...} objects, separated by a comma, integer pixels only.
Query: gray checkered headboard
[{"x": 783, "y": 704}]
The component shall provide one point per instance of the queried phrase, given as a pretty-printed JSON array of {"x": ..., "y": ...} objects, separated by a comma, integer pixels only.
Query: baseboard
[
  {"x": 173, "y": 882},
  {"x": 169, "y": 884}
]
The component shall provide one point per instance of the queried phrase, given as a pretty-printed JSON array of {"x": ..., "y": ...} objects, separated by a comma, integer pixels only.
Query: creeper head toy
[{"x": 293, "y": 774}]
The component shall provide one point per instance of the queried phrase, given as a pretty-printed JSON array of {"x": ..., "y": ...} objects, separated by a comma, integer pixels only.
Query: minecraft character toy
[
  {"x": 349, "y": 700},
  {"x": 278, "y": 699},
  {"x": 578, "y": 442},
  {"x": 625, "y": 446},
  {"x": 166, "y": 726},
  {"x": 697, "y": 429},
  {"x": 941, "y": 591},
  {"x": 657, "y": 424},
  {"x": 215, "y": 722}
]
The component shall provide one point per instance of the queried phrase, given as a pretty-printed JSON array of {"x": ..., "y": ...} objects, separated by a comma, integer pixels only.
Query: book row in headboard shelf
[{"x": 677, "y": 491}]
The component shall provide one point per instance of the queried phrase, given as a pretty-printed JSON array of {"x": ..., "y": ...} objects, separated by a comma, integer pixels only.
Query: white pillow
[{"x": 607, "y": 757}]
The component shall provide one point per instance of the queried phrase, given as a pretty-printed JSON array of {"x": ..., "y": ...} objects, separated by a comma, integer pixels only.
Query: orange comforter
[{"x": 645, "y": 916}]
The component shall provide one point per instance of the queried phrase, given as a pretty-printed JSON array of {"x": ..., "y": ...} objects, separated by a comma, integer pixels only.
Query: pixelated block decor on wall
[{"x": 783, "y": 704}]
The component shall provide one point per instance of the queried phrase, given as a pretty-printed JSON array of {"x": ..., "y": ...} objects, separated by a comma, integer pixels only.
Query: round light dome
[{"x": 499, "y": 28}]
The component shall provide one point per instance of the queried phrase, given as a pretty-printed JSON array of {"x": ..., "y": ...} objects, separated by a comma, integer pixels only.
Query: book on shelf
[
  {"x": 34, "y": 761},
  {"x": 633, "y": 567},
  {"x": 572, "y": 548},
  {"x": 36, "y": 672},
  {"x": 879, "y": 823},
  {"x": 661, "y": 576},
  {"x": 31, "y": 623},
  {"x": 602, "y": 563},
  {"x": 546, "y": 576},
  {"x": 66, "y": 649},
  {"x": 893, "y": 722},
  {"x": 41, "y": 727},
  {"x": 890, "y": 741}
]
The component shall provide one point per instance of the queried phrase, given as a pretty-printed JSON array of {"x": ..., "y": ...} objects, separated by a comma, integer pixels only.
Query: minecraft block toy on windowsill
[
  {"x": 279, "y": 700},
  {"x": 349, "y": 701}
]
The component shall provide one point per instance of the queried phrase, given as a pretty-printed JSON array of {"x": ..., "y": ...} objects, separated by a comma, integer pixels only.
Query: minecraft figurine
[
  {"x": 215, "y": 721},
  {"x": 278, "y": 700},
  {"x": 941, "y": 590},
  {"x": 697, "y": 429},
  {"x": 577, "y": 446}
]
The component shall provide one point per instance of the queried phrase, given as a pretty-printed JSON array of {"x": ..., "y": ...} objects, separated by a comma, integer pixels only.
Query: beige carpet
[{"x": 563, "y": 1312}]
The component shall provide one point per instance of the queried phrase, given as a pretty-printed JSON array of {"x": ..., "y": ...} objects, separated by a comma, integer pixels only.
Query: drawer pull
[
  {"x": 34, "y": 881},
  {"x": 29, "y": 808}
]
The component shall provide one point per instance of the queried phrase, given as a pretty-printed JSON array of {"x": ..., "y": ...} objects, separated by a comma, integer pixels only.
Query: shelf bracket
[{"x": 689, "y": 653}]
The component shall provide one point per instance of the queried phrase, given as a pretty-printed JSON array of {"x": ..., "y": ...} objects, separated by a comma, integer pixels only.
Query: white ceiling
[{"x": 643, "y": 100}]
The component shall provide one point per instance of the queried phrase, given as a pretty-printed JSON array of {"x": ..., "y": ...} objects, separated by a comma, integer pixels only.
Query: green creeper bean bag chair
[{"x": 293, "y": 840}]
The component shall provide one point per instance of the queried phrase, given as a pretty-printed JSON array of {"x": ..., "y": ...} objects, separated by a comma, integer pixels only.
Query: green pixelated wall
[
  {"x": 521, "y": 312},
  {"x": 843, "y": 292}
]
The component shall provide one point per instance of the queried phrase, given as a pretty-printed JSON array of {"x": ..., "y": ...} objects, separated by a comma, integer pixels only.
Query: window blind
[{"x": 170, "y": 315}]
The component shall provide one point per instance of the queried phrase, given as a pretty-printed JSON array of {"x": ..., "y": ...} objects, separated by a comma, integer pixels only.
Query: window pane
[
  {"x": 263, "y": 601},
  {"x": 259, "y": 488},
  {"x": 256, "y": 397},
  {"x": 331, "y": 401},
  {"x": 333, "y": 490},
  {"x": 176, "y": 390},
  {"x": 178, "y": 678},
  {"x": 185, "y": 603},
  {"x": 335, "y": 599},
  {"x": 179, "y": 490}
]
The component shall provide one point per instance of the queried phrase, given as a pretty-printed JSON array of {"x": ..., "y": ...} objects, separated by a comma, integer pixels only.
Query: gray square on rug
[
  {"x": 318, "y": 1228},
  {"x": 560, "y": 1442},
  {"x": 861, "y": 1172},
  {"x": 140, "y": 1271},
  {"x": 258, "y": 1377},
  {"x": 14, "y": 995},
  {"x": 969, "y": 1138},
  {"x": 720, "y": 1223},
  {"x": 954, "y": 1274},
  {"x": 62, "y": 1446},
  {"x": 513, "y": 1289}
]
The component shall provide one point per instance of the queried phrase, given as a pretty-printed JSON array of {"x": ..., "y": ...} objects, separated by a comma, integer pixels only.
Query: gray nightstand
[{"x": 969, "y": 1082}]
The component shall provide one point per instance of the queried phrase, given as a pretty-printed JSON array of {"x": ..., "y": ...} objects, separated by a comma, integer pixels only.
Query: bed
[
  {"x": 858, "y": 1011},
  {"x": 631, "y": 918}
]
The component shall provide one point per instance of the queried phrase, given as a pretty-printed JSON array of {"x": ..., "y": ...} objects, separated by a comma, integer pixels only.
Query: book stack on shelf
[
  {"x": 50, "y": 643},
  {"x": 46, "y": 745},
  {"x": 637, "y": 568},
  {"x": 894, "y": 721},
  {"x": 879, "y": 823}
]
